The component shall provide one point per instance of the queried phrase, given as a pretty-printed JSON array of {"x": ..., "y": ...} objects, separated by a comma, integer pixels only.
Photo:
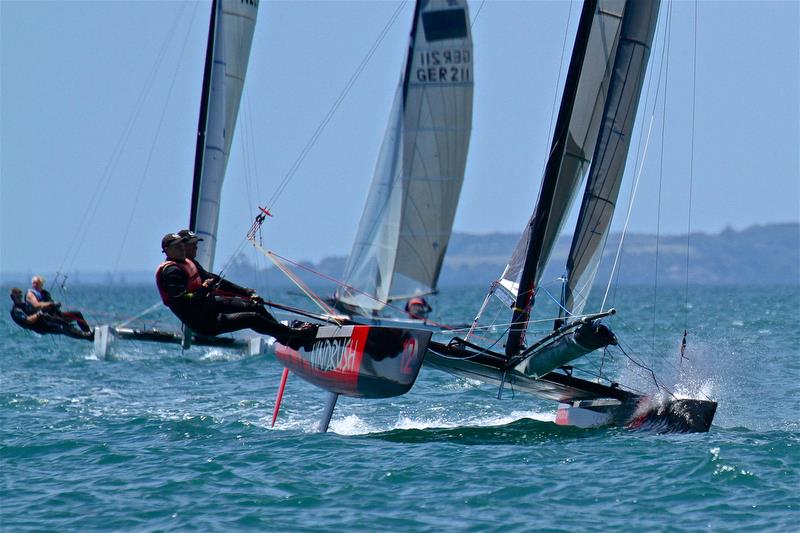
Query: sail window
[{"x": 447, "y": 24}]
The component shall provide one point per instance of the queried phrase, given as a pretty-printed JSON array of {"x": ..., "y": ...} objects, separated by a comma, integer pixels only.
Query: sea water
[{"x": 156, "y": 438}]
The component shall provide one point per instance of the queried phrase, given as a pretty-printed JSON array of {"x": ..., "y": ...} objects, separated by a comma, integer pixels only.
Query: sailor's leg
[
  {"x": 239, "y": 305},
  {"x": 60, "y": 326},
  {"x": 77, "y": 316},
  {"x": 227, "y": 322},
  {"x": 75, "y": 333}
]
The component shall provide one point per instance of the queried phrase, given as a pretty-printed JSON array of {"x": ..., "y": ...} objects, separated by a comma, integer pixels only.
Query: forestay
[
  {"x": 229, "y": 40},
  {"x": 406, "y": 224}
]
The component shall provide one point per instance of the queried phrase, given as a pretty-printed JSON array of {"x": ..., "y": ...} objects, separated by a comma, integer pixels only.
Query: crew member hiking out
[
  {"x": 193, "y": 298},
  {"x": 39, "y": 321},
  {"x": 40, "y": 300},
  {"x": 222, "y": 287}
]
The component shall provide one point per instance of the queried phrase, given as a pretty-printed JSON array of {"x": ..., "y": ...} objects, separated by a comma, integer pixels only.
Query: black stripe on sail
[
  {"x": 410, "y": 55},
  {"x": 202, "y": 123}
]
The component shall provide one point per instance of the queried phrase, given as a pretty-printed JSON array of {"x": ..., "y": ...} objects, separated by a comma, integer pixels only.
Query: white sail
[
  {"x": 406, "y": 224},
  {"x": 230, "y": 38}
]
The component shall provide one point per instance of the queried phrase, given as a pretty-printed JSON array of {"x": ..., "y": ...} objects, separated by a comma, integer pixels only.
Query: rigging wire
[
  {"x": 334, "y": 107},
  {"x": 152, "y": 150},
  {"x": 475, "y": 18},
  {"x": 635, "y": 185},
  {"x": 98, "y": 192},
  {"x": 558, "y": 84},
  {"x": 558, "y": 303},
  {"x": 661, "y": 176},
  {"x": 691, "y": 182},
  {"x": 652, "y": 374},
  {"x": 321, "y": 127}
]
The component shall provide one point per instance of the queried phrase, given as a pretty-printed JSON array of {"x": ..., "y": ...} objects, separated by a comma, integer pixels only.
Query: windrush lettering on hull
[{"x": 335, "y": 354}]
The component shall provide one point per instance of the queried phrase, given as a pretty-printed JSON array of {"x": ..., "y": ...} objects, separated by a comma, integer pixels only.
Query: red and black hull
[{"x": 360, "y": 361}]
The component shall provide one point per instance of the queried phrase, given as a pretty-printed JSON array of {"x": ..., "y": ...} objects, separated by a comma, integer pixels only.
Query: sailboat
[
  {"x": 590, "y": 141},
  {"x": 230, "y": 36},
  {"x": 355, "y": 360},
  {"x": 406, "y": 224}
]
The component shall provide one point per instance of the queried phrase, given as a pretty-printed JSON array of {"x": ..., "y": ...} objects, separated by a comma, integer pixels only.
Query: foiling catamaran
[
  {"x": 591, "y": 139},
  {"x": 406, "y": 224},
  {"x": 355, "y": 360}
]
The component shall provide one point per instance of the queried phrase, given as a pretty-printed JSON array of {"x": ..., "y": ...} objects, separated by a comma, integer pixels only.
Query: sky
[{"x": 99, "y": 105}]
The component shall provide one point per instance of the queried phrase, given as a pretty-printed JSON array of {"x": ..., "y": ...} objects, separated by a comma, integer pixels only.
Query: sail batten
[{"x": 406, "y": 224}]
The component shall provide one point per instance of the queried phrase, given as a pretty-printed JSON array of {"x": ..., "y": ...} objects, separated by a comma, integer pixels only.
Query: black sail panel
[{"x": 605, "y": 176}]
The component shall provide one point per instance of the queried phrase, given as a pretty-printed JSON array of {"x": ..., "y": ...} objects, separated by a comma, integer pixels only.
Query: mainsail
[
  {"x": 229, "y": 39},
  {"x": 406, "y": 224},
  {"x": 605, "y": 177},
  {"x": 574, "y": 141}
]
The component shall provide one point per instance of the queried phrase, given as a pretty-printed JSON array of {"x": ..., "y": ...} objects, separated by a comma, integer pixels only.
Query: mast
[
  {"x": 203, "y": 119},
  {"x": 410, "y": 54},
  {"x": 538, "y": 223}
]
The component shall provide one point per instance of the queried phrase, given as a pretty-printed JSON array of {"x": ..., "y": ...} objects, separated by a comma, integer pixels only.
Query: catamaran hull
[
  {"x": 646, "y": 414},
  {"x": 359, "y": 361},
  {"x": 106, "y": 338},
  {"x": 582, "y": 403}
]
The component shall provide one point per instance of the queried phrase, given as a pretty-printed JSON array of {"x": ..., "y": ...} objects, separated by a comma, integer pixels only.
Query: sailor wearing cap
[
  {"x": 190, "y": 240},
  {"x": 222, "y": 286},
  {"x": 210, "y": 305}
]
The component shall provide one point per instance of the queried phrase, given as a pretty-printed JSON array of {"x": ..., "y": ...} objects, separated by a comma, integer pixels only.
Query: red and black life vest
[{"x": 193, "y": 275}]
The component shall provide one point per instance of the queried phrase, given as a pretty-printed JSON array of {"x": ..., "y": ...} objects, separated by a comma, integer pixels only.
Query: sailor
[
  {"x": 193, "y": 298},
  {"x": 40, "y": 300},
  {"x": 222, "y": 287},
  {"x": 41, "y": 322},
  {"x": 417, "y": 307}
]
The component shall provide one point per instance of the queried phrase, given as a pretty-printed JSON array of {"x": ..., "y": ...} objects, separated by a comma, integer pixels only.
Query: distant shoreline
[{"x": 759, "y": 255}]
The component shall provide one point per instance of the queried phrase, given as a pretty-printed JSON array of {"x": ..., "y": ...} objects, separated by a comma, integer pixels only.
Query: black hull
[
  {"x": 168, "y": 337},
  {"x": 674, "y": 416}
]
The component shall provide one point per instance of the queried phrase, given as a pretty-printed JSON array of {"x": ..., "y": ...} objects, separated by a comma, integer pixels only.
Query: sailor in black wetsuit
[
  {"x": 40, "y": 300},
  {"x": 222, "y": 287},
  {"x": 191, "y": 294},
  {"x": 41, "y": 322}
]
